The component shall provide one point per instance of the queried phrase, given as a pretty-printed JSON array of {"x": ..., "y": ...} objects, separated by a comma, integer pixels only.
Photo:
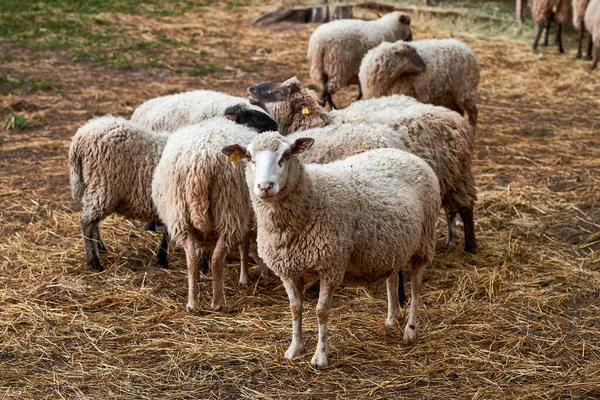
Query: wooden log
[
  {"x": 293, "y": 14},
  {"x": 341, "y": 12}
]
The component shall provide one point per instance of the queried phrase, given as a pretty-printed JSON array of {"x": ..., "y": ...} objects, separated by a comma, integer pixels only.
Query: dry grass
[{"x": 521, "y": 319}]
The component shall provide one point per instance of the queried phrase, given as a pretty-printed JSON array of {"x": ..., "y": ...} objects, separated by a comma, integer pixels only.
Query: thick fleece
[
  {"x": 169, "y": 113},
  {"x": 335, "y": 49},
  {"x": 200, "y": 196},
  {"x": 443, "y": 72},
  {"x": 441, "y": 137},
  {"x": 353, "y": 221},
  {"x": 111, "y": 162},
  {"x": 592, "y": 23}
]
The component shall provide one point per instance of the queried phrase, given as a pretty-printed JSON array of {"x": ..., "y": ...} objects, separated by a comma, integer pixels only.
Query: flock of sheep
[
  {"x": 586, "y": 15},
  {"x": 348, "y": 196}
]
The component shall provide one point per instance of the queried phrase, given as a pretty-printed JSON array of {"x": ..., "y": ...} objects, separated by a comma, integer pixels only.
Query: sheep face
[
  {"x": 268, "y": 158},
  {"x": 243, "y": 115},
  {"x": 401, "y": 25},
  {"x": 406, "y": 60},
  {"x": 286, "y": 102}
]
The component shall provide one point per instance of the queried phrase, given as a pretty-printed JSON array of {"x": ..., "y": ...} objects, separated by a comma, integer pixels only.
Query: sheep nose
[
  {"x": 252, "y": 89},
  {"x": 265, "y": 186}
]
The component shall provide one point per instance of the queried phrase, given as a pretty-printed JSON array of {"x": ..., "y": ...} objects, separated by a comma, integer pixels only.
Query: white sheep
[
  {"x": 441, "y": 137},
  {"x": 111, "y": 162},
  {"x": 579, "y": 7},
  {"x": 353, "y": 221},
  {"x": 544, "y": 12},
  {"x": 200, "y": 197},
  {"x": 440, "y": 72},
  {"x": 592, "y": 23},
  {"x": 169, "y": 113},
  {"x": 335, "y": 49}
]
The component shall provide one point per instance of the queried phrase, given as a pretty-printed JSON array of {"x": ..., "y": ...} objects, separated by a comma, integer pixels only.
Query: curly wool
[
  {"x": 542, "y": 11},
  {"x": 440, "y": 72},
  {"x": 111, "y": 164},
  {"x": 335, "y": 49},
  {"x": 172, "y": 112}
]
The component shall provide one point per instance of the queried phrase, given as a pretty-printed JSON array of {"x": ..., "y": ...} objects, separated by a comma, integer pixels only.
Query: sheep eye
[
  {"x": 284, "y": 157},
  {"x": 249, "y": 157}
]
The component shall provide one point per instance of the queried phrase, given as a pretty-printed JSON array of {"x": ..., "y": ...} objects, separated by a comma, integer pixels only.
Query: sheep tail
[
  {"x": 76, "y": 171},
  {"x": 316, "y": 57}
]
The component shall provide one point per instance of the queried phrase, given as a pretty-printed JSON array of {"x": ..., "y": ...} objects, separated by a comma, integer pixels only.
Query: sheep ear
[
  {"x": 415, "y": 64},
  {"x": 404, "y": 19},
  {"x": 235, "y": 152},
  {"x": 321, "y": 103},
  {"x": 301, "y": 145}
]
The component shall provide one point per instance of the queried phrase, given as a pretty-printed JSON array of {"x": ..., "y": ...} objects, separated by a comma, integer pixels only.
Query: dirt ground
[{"x": 520, "y": 319}]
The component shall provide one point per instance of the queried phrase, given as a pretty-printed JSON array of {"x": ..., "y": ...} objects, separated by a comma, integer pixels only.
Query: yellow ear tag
[
  {"x": 305, "y": 110},
  {"x": 236, "y": 156}
]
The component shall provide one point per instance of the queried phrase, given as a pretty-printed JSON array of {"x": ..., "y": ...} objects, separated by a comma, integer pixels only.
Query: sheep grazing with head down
[
  {"x": 441, "y": 137},
  {"x": 169, "y": 113},
  {"x": 579, "y": 7},
  {"x": 439, "y": 72},
  {"x": 592, "y": 23},
  {"x": 202, "y": 198},
  {"x": 111, "y": 163},
  {"x": 342, "y": 222},
  {"x": 546, "y": 11},
  {"x": 336, "y": 48}
]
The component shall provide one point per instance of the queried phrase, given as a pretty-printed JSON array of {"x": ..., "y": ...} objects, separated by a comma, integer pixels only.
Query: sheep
[
  {"x": 200, "y": 197},
  {"x": 441, "y": 137},
  {"x": 336, "y": 48},
  {"x": 342, "y": 222},
  {"x": 592, "y": 23},
  {"x": 439, "y": 72},
  {"x": 543, "y": 12},
  {"x": 169, "y": 113},
  {"x": 579, "y": 7},
  {"x": 111, "y": 161}
]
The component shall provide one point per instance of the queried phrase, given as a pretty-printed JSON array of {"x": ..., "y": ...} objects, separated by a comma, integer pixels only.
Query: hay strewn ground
[{"x": 521, "y": 319}]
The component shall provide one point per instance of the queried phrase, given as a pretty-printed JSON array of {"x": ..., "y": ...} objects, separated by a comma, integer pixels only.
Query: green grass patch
[
  {"x": 9, "y": 84},
  {"x": 15, "y": 122},
  {"x": 202, "y": 69}
]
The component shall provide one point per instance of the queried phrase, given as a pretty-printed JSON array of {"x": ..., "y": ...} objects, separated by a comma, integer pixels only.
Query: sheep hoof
[
  {"x": 96, "y": 265},
  {"x": 192, "y": 307},
  {"x": 410, "y": 333},
  {"x": 217, "y": 306},
  {"x": 244, "y": 280},
  {"x": 162, "y": 262},
  {"x": 319, "y": 361},
  {"x": 451, "y": 241},
  {"x": 391, "y": 323},
  {"x": 294, "y": 351}
]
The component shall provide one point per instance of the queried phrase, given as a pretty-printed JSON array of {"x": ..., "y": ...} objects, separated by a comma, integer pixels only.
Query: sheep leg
[
  {"x": 580, "y": 43},
  {"x": 218, "y": 265},
  {"x": 89, "y": 229},
  {"x": 244, "y": 247},
  {"x": 192, "y": 267},
  {"x": 320, "y": 359},
  {"x": 537, "y": 38},
  {"x": 293, "y": 287},
  {"x": 163, "y": 251},
  {"x": 559, "y": 39},
  {"x": 360, "y": 93},
  {"x": 466, "y": 214},
  {"x": 450, "y": 218},
  {"x": 326, "y": 96},
  {"x": 596, "y": 55},
  {"x": 98, "y": 238},
  {"x": 416, "y": 276},
  {"x": 393, "y": 286},
  {"x": 546, "y": 33},
  {"x": 150, "y": 226},
  {"x": 590, "y": 46}
]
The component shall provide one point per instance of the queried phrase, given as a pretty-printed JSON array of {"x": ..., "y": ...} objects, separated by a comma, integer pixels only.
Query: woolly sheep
[
  {"x": 335, "y": 49},
  {"x": 169, "y": 113},
  {"x": 543, "y": 12},
  {"x": 579, "y": 7},
  {"x": 440, "y": 72},
  {"x": 111, "y": 162},
  {"x": 342, "y": 222},
  {"x": 592, "y": 22},
  {"x": 440, "y": 136},
  {"x": 200, "y": 197}
]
